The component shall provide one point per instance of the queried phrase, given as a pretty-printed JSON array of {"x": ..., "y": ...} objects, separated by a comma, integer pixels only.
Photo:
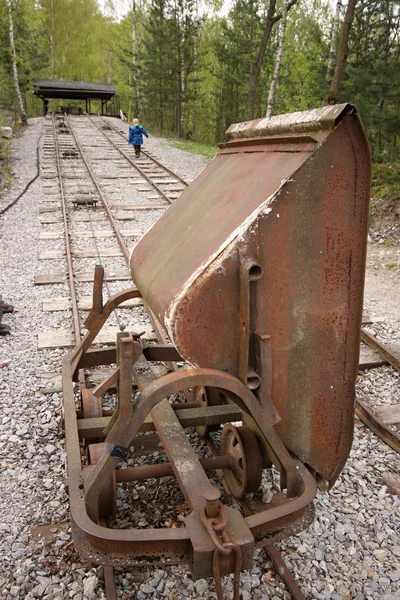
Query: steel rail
[
  {"x": 142, "y": 173},
  {"x": 108, "y": 571},
  {"x": 156, "y": 325},
  {"x": 383, "y": 350},
  {"x": 122, "y": 134},
  {"x": 387, "y": 435},
  {"x": 118, "y": 235},
  {"x": 364, "y": 412},
  {"x": 124, "y": 249},
  {"x": 71, "y": 280}
]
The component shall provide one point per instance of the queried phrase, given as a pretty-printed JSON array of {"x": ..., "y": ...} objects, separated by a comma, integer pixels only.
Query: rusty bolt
[{"x": 212, "y": 497}]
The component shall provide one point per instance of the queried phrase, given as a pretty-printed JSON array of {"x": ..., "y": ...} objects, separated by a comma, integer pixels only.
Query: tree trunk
[
  {"x": 255, "y": 76},
  {"x": 332, "y": 50},
  {"x": 342, "y": 54},
  {"x": 14, "y": 67},
  {"x": 135, "y": 58},
  {"x": 196, "y": 83},
  {"x": 182, "y": 88},
  {"x": 279, "y": 53}
]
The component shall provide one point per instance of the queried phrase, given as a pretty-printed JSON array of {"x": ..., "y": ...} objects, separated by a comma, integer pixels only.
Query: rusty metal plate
[{"x": 302, "y": 216}]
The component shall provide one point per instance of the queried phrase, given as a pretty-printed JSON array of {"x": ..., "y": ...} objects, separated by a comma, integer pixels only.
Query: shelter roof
[{"x": 75, "y": 90}]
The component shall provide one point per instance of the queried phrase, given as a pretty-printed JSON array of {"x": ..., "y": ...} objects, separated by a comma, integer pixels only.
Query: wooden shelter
[{"x": 75, "y": 90}]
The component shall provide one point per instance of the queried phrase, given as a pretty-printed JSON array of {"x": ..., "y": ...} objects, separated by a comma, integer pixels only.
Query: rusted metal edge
[
  {"x": 139, "y": 547},
  {"x": 283, "y": 571},
  {"x": 297, "y": 122}
]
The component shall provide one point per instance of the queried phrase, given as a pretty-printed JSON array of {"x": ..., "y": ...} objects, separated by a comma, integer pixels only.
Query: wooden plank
[
  {"x": 389, "y": 354},
  {"x": 62, "y": 338},
  {"x": 57, "y": 254},
  {"x": 55, "y": 235},
  {"x": 162, "y": 179},
  {"x": 52, "y": 382},
  {"x": 51, "y": 255},
  {"x": 389, "y": 414},
  {"x": 50, "y": 209},
  {"x": 369, "y": 359},
  {"x": 88, "y": 218},
  {"x": 84, "y": 303},
  {"x": 54, "y": 304},
  {"x": 135, "y": 207},
  {"x": 49, "y": 278},
  {"x": 82, "y": 277},
  {"x": 50, "y": 220},
  {"x": 94, "y": 253},
  {"x": 88, "y": 276}
]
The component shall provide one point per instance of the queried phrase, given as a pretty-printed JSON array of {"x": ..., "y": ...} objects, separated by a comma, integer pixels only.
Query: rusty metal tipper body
[{"x": 256, "y": 274}]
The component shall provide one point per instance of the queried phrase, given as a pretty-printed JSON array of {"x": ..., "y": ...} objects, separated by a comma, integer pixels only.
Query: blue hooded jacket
[{"x": 136, "y": 133}]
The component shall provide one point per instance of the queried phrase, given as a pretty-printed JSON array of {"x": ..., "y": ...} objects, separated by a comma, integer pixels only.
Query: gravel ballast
[{"x": 352, "y": 551}]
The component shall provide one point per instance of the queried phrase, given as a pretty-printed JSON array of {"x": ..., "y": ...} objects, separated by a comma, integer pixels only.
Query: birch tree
[
  {"x": 333, "y": 47},
  {"x": 14, "y": 66},
  {"x": 135, "y": 60},
  {"x": 279, "y": 53},
  {"x": 270, "y": 19},
  {"x": 342, "y": 54},
  {"x": 195, "y": 65}
]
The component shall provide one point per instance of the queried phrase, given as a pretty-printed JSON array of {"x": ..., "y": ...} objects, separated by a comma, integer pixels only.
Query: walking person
[{"x": 136, "y": 133}]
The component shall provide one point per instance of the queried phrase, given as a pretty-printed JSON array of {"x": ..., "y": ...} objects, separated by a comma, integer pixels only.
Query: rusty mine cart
[{"x": 256, "y": 275}]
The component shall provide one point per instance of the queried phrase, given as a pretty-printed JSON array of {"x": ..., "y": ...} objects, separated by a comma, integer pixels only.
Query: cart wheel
[
  {"x": 108, "y": 496},
  {"x": 206, "y": 396},
  {"x": 241, "y": 444}
]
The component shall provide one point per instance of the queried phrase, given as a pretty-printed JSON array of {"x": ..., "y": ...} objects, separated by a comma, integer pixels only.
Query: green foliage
[
  {"x": 386, "y": 181},
  {"x": 184, "y": 67}
]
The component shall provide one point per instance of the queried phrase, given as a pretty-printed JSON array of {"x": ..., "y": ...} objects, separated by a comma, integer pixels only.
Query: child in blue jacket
[{"x": 136, "y": 133}]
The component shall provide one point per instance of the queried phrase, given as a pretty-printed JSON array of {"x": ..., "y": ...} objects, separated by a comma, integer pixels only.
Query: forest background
[{"x": 188, "y": 69}]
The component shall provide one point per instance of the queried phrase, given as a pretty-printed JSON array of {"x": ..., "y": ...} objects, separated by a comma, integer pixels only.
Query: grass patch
[
  {"x": 386, "y": 181},
  {"x": 6, "y": 176},
  {"x": 391, "y": 266},
  {"x": 207, "y": 150}
]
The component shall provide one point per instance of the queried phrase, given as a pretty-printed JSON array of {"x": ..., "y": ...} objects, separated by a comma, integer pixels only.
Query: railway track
[{"x": 383, "y": 421}]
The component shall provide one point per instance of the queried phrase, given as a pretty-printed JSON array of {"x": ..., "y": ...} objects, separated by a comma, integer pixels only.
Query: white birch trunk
[
  {"x": 182, "y": 85},
  {"x": 279, "y": 53},
  {"x": 196, "y": 83},
  {"x": 14, "y": 66},
  {"x": 135, "y": 70},
  {"x": 333, "y": 48}
]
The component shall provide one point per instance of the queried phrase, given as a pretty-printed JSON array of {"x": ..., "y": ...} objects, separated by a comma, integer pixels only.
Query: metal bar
[
  {"x": 166, "y": 470},
  {"x": 283, "y": 571},
  {"x": 189, "y": 473},
  {"x": 384, "y": 351},
  {"x": 387, "y": 435},
  {"x": 71, "y": 280},
  {"x": 188, "y": 417}
]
